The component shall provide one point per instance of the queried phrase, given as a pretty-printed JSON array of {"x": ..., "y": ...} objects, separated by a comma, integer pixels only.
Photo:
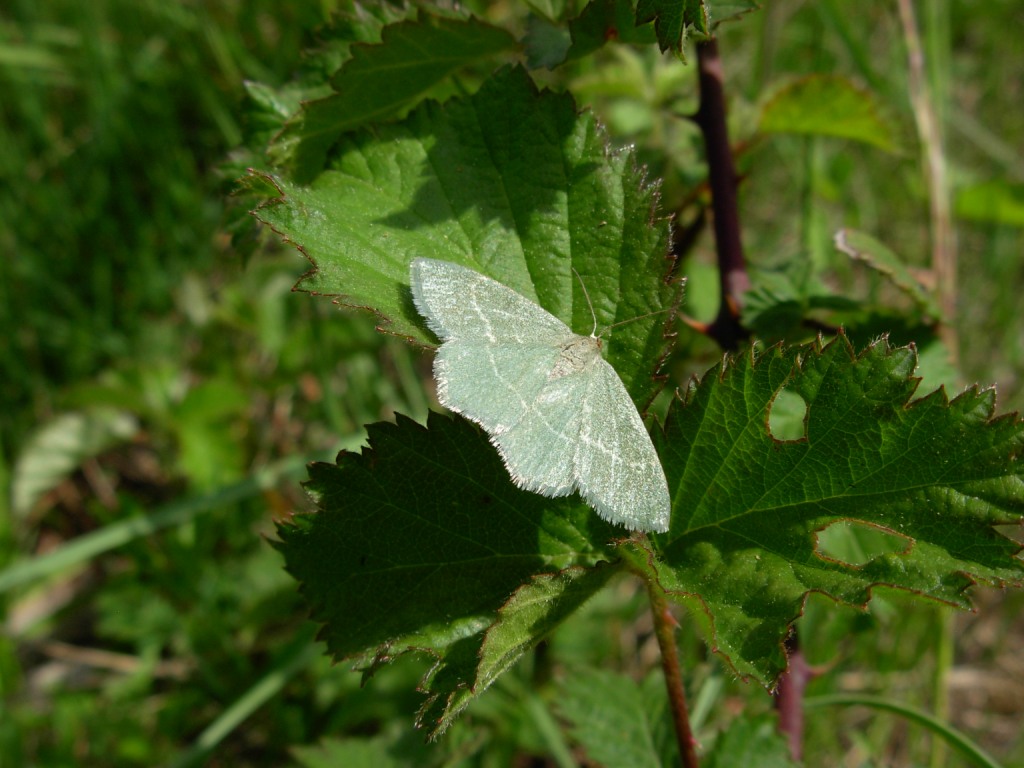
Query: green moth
[{"x": 555, "y": 409}]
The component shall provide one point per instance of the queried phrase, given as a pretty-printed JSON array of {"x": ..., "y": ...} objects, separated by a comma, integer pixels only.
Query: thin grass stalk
[{"x": 942, "y": 232}]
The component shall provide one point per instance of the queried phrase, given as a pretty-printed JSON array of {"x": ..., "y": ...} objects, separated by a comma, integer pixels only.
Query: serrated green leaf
[
  {"x": 780, "y": 300},
  {"x": 380, "y": 81},
  {"x": 675, "y": 20},
  {"x": 608, "y": 715},
  {"x": 511, "y": 182},
  {"x": 870, "y": 252},
  {"x": 751, "y": 741},
  {"x": 741, "y": 550},
  {"x": 603, "y": 21},
  {"x": 359, "y": 22},
  {"x": 271, "y": 107},
  {"x": 468, "y": 668},
  {"x": 423, "y": 543},
  {"x": 729, "y": 10},
  {"x": 828, "y": 105},
  {"x": 273, "y": 115},
  {"x": 934, "y": 367},
  {"x": 421, "y": 538}
]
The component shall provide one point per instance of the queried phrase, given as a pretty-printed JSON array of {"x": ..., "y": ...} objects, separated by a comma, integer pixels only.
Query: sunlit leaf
[
  {"x": 820, "y": 105},
  {"x": 511, "y": 182},
  {"x": 381, "y": 81}
]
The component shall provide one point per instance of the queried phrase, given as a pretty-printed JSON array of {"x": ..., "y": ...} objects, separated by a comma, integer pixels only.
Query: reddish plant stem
[
  {"x": 732, "y": 268},
  {"x": 665, "y": 630},
  {"x": 789, "y": 697}
]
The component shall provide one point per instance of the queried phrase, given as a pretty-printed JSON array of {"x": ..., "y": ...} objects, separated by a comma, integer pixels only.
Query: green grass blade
[
  {"x": 958, "y": 741},
  {"x": 298, "y": 657},
  {"x": 540, "y": 714},
  {"x": 117, "y": 534}
]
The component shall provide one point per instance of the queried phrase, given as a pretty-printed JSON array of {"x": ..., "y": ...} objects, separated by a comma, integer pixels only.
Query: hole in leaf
[
  {"x": 1013, "y": 532},
  {"x": 854, "y": 543},
  {"x": 787, "y": 416}
]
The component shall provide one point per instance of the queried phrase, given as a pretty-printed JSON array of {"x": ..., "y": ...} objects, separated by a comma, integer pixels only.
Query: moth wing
[
  {"x": 460, "y": 303},
  {"x": 494, "y": 366},
  {"x": 618, "y": 470},
  {"x": 540, "y": 450},
  {"x": 495, "y": 385}
]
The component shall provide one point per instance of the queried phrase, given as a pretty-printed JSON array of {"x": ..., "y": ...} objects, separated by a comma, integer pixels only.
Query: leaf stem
[
  {"x": 789, "y": 697},
  {"x": 665, "y": 630},
  {"x": 732, "y": 267}
]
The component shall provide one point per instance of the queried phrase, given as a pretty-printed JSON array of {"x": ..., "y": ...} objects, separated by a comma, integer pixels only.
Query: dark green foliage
[{"x": 162, "y": 383}]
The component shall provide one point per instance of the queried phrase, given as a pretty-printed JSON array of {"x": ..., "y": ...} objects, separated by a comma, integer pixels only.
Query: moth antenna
[
  {"x": 634, "y": 319},
  {"x": 586, "y": 295},
  {"x": 594, "y": 332}
]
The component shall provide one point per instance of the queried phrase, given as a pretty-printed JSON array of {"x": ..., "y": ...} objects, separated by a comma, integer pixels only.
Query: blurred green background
[{"x": 155, "y": 361}]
